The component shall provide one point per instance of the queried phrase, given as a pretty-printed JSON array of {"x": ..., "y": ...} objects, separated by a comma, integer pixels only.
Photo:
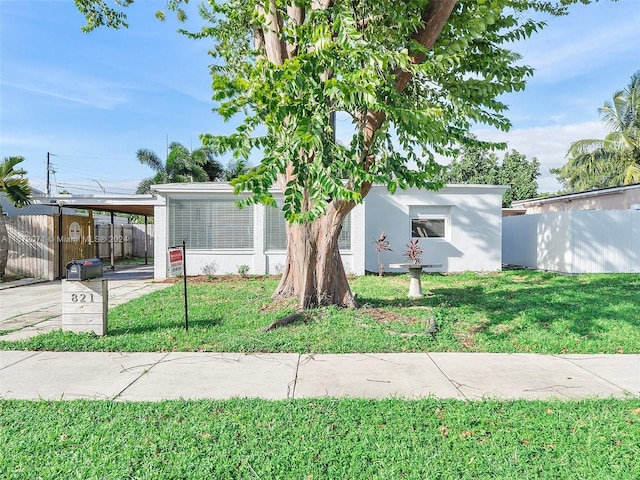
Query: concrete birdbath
[{"x": 415, "y": 269}]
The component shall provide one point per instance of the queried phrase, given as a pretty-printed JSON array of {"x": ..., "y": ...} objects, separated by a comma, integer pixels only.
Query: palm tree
[
  {"x": 614, "y": 160},
  {"x": 16, "y": 188},
  {"x": 181, "y": 166},
  {"x": 234, "y": 169}
]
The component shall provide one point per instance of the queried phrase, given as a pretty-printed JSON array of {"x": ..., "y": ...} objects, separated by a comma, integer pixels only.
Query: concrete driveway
[{"x": 28, "y": 309}]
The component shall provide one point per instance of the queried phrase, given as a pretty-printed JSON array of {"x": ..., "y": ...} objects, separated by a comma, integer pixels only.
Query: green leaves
[
  {"x": 13, "y": 182},
  {"x": 614, "y": 160},
  {"x": 98, "y": 13},
  {"x": 286, "y": 69},
  {"x": 181, "y": 166}
]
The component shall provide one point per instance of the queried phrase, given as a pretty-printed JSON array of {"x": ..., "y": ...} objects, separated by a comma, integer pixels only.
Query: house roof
[
  {"x": 132, "y": 204},
  {"x": 224, "y": 187},
  {"x": 574, "y": 196}
]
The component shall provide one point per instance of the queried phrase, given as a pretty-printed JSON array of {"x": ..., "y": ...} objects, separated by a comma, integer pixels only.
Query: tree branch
[
  {"x": 275, "y": 46},
  {"x": 433, "y": 19}
]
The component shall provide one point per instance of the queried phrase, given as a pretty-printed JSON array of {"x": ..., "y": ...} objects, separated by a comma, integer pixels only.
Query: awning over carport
[{"x": 131, "y": 204}]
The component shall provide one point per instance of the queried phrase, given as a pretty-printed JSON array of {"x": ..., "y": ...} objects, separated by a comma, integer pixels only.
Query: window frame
[{"x": 427, "y": 213}]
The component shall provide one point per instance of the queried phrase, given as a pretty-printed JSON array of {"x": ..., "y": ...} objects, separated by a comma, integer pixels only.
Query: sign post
[
  {"x": 85, "y": 306},
  {"x": 178, "y": 266},
  {"x": 184, "y": 275}
]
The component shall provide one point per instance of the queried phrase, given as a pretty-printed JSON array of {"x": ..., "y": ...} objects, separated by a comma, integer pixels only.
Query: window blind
[{"x": 210, "y": 224}]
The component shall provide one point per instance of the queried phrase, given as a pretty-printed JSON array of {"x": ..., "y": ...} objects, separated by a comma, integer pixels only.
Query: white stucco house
[{"x": 459, "y": 227}]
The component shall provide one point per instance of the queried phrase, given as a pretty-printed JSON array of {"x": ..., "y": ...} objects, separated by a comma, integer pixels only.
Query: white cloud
[
  {"x": 584, "y": 41},
  {"x": 68, "y": 85},
  {"x": 548, "y": 144}
]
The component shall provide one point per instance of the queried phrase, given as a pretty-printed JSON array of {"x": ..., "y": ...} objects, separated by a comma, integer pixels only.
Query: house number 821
[{"x": 81, "y": 297}]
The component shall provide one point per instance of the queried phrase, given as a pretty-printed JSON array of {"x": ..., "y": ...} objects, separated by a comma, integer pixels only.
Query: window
[
  {"x": 208, "y": 224},
  {"x": 432, "y": 228},
  {"x": 429, "y": 221},
  {"x": 344, "y": 239},
  {"x": 276, "y": 235}
]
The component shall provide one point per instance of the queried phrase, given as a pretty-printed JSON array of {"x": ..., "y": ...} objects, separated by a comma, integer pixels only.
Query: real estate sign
[{"x": 176, "y": 262}]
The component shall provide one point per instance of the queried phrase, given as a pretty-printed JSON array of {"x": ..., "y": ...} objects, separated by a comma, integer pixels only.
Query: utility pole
[
  {"x": 48, "y": 173},
  {"x": 48, "y": 183}
]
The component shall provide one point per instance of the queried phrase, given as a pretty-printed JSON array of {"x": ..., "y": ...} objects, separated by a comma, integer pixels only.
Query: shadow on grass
[
  {"x": 537, "y": 301},
  {"x": 164, "y": 325}
]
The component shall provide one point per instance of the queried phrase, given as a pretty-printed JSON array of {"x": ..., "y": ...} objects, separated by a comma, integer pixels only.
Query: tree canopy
[
  {"x": 477, "y": 165},
  {"x": 287, "y": 66},
  {"x": 410, "y": 78},
  {"x": 615, "y": 159}
]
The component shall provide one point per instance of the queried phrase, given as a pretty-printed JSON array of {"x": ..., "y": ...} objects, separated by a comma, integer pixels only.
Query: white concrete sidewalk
[{"x": 163, "y": 376}]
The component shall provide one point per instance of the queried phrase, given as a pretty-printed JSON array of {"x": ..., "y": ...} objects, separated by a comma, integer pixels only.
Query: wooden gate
[{"x": 74, "y": 235}]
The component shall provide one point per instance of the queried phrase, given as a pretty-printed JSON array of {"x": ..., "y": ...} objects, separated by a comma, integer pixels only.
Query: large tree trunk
[{"x": 314, "y": 271}]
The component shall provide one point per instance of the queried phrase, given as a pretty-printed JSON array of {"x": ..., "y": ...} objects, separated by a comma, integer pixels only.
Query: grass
[
  {"x": 10, "y": 278},
  {"x": 131, "y": 262},
  {"x": 509, "y": 311},
  {"x": 320, "y": 439}
]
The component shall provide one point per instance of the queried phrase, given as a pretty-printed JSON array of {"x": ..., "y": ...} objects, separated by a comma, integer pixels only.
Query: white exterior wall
[
  {"x": 260, "y": 261},
  {"x": 473, "y": 241},
  {"x": 473, "y": 235},
  {"x": 574, "y": 242},
  {"x": 160, "y": 246}
]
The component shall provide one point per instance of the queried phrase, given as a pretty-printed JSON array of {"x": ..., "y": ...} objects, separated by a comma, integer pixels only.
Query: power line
[{"x": 92, "y": 188}]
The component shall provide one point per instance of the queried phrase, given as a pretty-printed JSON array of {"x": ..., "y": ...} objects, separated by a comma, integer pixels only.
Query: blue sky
[{"x": 93, "y": 99}]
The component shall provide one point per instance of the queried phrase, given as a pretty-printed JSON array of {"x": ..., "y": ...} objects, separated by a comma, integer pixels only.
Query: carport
[{"x": 129, "y": 204}]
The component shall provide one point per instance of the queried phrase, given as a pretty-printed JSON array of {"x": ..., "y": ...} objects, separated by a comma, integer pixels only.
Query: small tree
[
  {"x": 413, "y": 252},
  {"x": 615, "y": 159},
  {"x": 181, "y": 166},
  {"x": 477, "y": 164},
  {"x": 382, "y": 245},
  {"x": 235, "y": 168},
  {"x": 16, "y": 187}
]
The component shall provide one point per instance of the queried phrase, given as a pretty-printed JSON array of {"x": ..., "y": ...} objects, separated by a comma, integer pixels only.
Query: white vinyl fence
[{"x": 574, "y": 241}]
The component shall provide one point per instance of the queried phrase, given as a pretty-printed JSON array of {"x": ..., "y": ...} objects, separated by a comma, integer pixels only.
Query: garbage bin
[{"x": 85, "y": 269}]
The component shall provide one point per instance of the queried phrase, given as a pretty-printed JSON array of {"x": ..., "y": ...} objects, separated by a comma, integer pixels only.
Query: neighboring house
[
  {"x": 595, "y": 231},
  {"x": 11, "y": 210},
  {"x": 459, "y": 227},
  {"x": 626, "y": 197}
]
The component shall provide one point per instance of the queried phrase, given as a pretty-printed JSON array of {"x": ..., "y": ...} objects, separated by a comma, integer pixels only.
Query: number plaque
[{"x": 85, "y": 306}]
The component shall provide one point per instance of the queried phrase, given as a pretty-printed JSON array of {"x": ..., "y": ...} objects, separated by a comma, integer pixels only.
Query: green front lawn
[
  {"x": 320, "y": 439},
  {"x": 510, "y": 311}
]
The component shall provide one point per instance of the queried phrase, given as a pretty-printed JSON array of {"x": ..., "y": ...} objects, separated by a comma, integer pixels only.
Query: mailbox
[{"x": 84, "y": 269}]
